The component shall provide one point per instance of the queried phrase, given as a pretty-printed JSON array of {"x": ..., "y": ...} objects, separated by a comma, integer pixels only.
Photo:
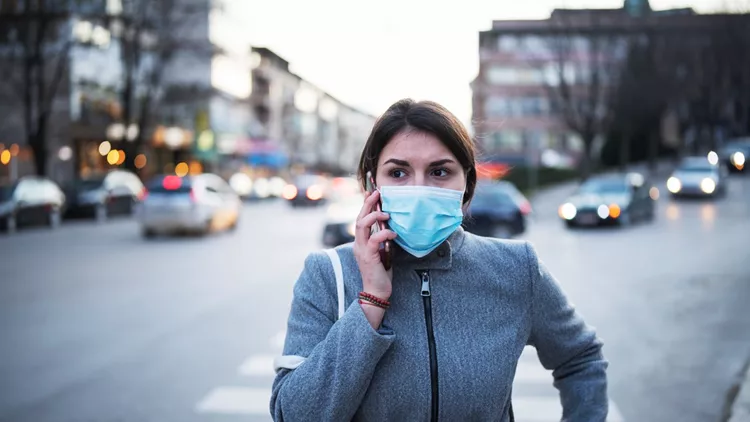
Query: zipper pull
[{"x": 425, "y": 283}]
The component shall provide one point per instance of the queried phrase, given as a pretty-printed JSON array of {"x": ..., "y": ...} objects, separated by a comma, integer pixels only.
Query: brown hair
[{"x": 422, "y": 116}]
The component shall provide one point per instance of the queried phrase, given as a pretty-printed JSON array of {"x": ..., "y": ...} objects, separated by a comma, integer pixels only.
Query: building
[
  {"x": 516, "y": 113},
  {"x": 197, "y": 98},
  {"x": 80, "y": 76},
  {"x": 314, "y": 129}
]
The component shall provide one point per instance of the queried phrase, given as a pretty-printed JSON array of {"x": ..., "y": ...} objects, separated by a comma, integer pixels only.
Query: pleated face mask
[{"x": 423, "y": 217}]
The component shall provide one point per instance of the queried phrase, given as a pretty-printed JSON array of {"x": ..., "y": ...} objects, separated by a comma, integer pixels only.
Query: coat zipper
[{"x": 427, "y": 302}]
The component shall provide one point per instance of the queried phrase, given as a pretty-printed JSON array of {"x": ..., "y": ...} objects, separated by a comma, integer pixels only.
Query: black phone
[{"x": 385, "y": 247}]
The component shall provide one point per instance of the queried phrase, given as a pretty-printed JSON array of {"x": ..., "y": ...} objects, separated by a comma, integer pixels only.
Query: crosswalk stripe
[
  {"x": 277, "y": 341},
  {"x": 549, "y": 409},
  {"x": 258, "y": 366},
  {"x": 236, "y": 401},
  {"x": 255, "y": 401}
]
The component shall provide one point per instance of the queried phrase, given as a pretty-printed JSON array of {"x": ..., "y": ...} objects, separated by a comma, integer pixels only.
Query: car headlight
[
  {"x": 351, "y": 228},
  {"x": 567, "y": 211},
  {"x": 738, "y": 159},
  {"x": 674, "y": 185},
  {"x": 708, "y": 185}
]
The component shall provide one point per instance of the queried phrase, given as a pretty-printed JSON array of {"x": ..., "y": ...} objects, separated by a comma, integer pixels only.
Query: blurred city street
[{"x": 101, "y": 325}]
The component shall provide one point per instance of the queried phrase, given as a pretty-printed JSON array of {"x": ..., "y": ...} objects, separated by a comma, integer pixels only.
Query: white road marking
[
  {"x": 258, "y": 366},
  {"x": 548, "y": 409},
  {"x": 236, "y": 401},
  {"x": 277, "y": 341}
]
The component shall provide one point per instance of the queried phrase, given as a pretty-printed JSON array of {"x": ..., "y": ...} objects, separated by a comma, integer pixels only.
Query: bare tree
[
  {"x": 35, "y": 43},
  {"x": 152, "y": 33},
  {"x": 587, "y": 60}
]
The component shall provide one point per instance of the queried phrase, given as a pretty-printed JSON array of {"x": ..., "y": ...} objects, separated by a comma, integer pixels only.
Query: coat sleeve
[
  {"x": 568, "y": 347},
  {"x": 338, "y": 357}
]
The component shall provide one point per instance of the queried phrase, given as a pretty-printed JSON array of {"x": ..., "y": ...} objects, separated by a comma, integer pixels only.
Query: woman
[{"x": 438, "y": 336}]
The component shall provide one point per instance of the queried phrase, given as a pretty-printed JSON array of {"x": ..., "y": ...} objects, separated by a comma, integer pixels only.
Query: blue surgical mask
[{"x": 422, "y": 216}]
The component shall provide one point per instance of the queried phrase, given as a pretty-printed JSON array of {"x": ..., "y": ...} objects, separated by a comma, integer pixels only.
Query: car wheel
[
  {"x": 11, "y": 223},
  {"x": 206, "y": 230},
  {"x": 502, "y": 231},
  {"x": 148, "y": 233},
  {"x": 54, "y": 218},
  {"x": 625, "y": 220},
  {"x": 570, "y": 224},
  {"x": 100, "y": 213}
]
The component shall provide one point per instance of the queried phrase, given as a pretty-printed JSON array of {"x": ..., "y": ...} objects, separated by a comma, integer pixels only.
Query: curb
[{"x": 740, "y": 411}]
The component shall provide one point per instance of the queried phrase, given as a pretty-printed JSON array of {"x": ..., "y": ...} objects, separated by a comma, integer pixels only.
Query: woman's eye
[
  {"x": 440, "y": 172},
  {"x": 397, "y": 173}
]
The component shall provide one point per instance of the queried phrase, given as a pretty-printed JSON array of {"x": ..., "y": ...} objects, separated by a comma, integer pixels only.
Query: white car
[
  {"x": 697, "y": 176},
  {"x": 200, "y": 203}
]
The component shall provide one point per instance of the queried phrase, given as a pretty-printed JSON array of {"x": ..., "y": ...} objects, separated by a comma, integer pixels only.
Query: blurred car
[
  {"x": 735, "y": 154},
  {"x": 307, "y": 189},
  {"x": 117, "y": 192},
  {"x": 341, "y": 217},
  {"x": 31, "y": 201},
  {"x": 498, "y": 209},
  {"x": 697, "y": 177},
  {"x": 342, "y": 188},
  {"x": 611, "y": 199},
  {"x": 199, "y": 203}
]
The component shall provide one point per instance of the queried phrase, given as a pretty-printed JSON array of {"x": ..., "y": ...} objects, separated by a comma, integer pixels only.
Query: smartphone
[{"x": 385, "y": 247}]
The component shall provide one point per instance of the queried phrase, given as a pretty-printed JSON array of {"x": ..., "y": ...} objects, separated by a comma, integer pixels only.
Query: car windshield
[
  {"x": 307, "y": 180},
  {"x": 696, "y": 168},
  {"x": 170, "y": 185},
  {"x": 89, "y": 184},
  {"x": 489, "y": 196},
  {"x": 5, "y": 192},
  {"x": 604, "y": 187}
]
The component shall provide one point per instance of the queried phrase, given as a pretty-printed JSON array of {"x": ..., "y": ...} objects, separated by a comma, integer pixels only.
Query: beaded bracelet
[
  {"x": 367, "y": 302},
  {"x": 375, "y": 300}
]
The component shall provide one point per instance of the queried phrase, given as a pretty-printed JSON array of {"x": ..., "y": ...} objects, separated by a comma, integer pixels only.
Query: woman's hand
[{"x": 375, "y": 279}]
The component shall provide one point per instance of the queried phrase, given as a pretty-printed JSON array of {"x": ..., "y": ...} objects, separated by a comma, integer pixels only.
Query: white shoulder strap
[
  {"x": 338, "y": 271},
  {"x": 291, "y": 362}
]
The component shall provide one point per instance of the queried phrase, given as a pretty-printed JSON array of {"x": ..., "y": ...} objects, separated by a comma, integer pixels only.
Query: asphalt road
[{"x": 99, "y": 325}]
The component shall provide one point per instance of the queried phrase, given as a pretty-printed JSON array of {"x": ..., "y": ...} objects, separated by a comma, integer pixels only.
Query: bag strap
[{"x": 338, "y": 271}]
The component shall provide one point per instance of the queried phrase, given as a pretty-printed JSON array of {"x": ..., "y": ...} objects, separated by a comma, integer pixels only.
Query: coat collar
[{"x": 439, "y": 259}]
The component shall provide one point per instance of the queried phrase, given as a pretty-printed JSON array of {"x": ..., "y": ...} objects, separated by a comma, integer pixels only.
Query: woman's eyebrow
[{"x": 397, "y": 162}]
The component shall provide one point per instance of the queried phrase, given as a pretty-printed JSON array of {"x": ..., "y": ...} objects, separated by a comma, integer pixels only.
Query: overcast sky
[{"x": 370, "y": 54}]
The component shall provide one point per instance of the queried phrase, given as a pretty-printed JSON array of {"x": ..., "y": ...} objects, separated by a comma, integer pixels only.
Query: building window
[
  {"x": 507, "y": 140},
  {"x": 507, "y": 43},
  {"x": 501, "y": 75}
]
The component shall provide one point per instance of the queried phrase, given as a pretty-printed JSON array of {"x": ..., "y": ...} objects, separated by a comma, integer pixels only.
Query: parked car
[
  {"x": 341, "y": 216},
  {"x": 697, "y": 177},
  {"x": 117, "y": 192},
  {"x": 306, "y": 189},
  {"x": 734, "y": 155},
  {"x": 612, "y": 199},
  {"x": 498, "y": 209},
  {"x": 200, "y": 203},
  {"x": 31, "y": 201}
]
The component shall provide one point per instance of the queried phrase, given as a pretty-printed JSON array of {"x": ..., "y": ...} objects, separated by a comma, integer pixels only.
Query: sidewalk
[{"x": 740, "y": 411}]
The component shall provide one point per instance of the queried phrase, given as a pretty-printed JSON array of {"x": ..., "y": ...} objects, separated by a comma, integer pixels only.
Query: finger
[
  {"x": 363, "y": 228},
  {"x": 373, "y": 244},
  {"x": 369, "y": 205}
]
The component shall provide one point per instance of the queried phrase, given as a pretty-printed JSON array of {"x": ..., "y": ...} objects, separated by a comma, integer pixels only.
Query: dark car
[
  {"x": 612, "y": 199},
  {"x": 117, "y": 192},
  {"x": 734, "y": 155},
  {"x": 498, "y": 209},
  {"x": 31, "y": 201},
  {"x": 306, "y": 190}
]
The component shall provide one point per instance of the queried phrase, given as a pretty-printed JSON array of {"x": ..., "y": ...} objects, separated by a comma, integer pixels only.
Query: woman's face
[{"x": 419, "y": 159}]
